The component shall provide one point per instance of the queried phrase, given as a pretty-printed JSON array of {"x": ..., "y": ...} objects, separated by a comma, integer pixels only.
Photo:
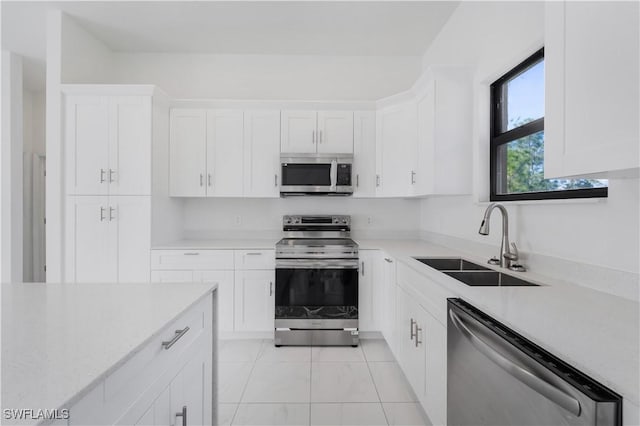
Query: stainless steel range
[{"x": 316, "y": 282}]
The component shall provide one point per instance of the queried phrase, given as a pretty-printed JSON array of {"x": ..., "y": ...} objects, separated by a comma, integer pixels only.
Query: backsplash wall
[{"x": 262, "y": 218}]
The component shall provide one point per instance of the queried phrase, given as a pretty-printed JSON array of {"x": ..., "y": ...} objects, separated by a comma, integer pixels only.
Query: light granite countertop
[{"x": 59, "y": 340}]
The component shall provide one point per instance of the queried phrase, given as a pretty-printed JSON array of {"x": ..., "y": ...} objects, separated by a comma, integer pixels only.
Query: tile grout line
[
  {"x": 244, "y": 388},
  {"x": 376, "y": 388}
]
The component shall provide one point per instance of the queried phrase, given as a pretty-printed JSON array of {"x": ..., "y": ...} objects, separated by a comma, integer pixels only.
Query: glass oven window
[
  {"x": 306, "y": 174},
  {"x": 316, "y": 293}
]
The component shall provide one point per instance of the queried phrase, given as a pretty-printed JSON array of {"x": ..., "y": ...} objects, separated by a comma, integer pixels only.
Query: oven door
[{"x": 316, "y": 289}]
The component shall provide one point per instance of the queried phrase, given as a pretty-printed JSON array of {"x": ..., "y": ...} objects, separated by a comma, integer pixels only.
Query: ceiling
[{"x": 385, "y": 28}]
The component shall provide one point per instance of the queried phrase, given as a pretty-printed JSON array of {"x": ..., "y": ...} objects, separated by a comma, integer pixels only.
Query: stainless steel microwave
[{"x": 316, "y": 174}]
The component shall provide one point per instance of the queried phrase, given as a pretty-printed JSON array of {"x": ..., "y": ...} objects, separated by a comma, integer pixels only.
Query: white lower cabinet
[
  {"x": 389, "y": 325},
  {"x": 254, "y": 300},
  {"x": 108, "y": 239},
  {"x": 225, "y": 281},
  {"x": 434, "y": 399},
  {"x": 369, "y": 286},
  {"x": 412, "y": 326},
  {"x": 156, "y": 385},
  {"x": 245, "y": 278}
]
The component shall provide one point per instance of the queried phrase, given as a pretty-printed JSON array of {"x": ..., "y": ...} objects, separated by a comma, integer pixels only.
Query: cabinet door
[
  {"x": 364, "y": 153},
  {"x": 592, "y": 89},
  {"x": 162, "y": 408},
  {"x": 130, "y": 218},
  {"x": 426, "y": 164},
  {"x": 87, "y": 145},
  {"x": 415, "y": 356},
  {"x": 395, "y": 150},
  {"x": 187, "y": 147},
  {"x": 367, "y": 291},
  {"x": 224, "y": 153},
  {"x": 187, "y": 393},
  {"x": 389, "y": 326},
  {"x": 172, "y": 277},
  {"x": 435, "y": 396},
  {"x": 335, "y": 132},
  {"x": 91, "y": 249},
  {"x": 130, "y": 145},
  {"x": 298, "y": 132},
  {"x": 261, "y": 153},
  {"x": 226, "y": 295},
  {"x": 254, "y": 301}
]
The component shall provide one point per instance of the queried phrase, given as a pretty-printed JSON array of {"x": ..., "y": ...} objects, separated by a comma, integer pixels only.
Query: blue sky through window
[{"x": 525, "y": 100}]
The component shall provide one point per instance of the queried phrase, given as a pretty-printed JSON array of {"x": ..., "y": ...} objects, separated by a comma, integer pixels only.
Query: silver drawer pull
[
  {"x": 183, "y": 414},
  {"x": 388, "y": 260},
  {"x": 191, "y": 254},
  {"x": 253, "y": 254},
  {"x": 179, "y": 334}
]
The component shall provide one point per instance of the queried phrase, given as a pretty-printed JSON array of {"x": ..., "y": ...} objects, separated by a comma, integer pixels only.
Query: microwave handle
[{"x": 334, "y": 175}]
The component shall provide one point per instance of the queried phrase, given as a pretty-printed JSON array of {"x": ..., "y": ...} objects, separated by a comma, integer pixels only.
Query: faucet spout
[{"x": 505, "y": 255}]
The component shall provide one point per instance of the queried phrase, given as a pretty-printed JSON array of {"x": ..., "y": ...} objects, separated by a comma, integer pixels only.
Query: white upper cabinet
[
  {"x": 108, "y": 145},
  {"x": 395, "y": 150},
  {"x": 298, "y": 132},
  {"x": 206, "y": 153},
  {"x": 335, "y": 132},
  {"x": 444, "y": 127},
  {"x": 261, "y": 153},
  {"x": 188, "y": 147},
  {"x": 225, "y": 130},
  {"x": 364, "y": 154},
  {"x": 592, "y": 89},
  {"x": 310, "y": 132}
]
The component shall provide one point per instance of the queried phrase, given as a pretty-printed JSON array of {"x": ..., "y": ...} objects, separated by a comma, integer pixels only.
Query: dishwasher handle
[{"x": 552, "y": 393}]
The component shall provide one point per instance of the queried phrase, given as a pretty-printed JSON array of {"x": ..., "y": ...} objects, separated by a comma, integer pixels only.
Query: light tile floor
[{"x": 260, "y": 384}]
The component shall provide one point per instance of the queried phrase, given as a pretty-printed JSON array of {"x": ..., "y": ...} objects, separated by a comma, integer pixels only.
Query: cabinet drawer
[
  {"x": 132, "y": 378},
  {"x": 192, "y": 259},
  {"x": 167, "y": 276},
  {"x": 255, "y": 259}
]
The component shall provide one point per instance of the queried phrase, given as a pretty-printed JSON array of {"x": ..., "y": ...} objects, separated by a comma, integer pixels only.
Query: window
[{"x": 517, "y": 140}]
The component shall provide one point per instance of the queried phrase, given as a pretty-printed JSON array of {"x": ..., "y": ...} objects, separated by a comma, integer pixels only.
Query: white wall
[
  {"x": 11, "y": 169},
  {"x": 494, "y": 37},
  {"x": 262, "y": 218},
  {"x": 269, "y": 76},
  {"x": 85, "y": 59}
]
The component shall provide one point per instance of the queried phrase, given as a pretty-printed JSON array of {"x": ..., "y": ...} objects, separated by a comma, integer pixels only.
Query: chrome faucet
[{"x": 506, "y": 256}]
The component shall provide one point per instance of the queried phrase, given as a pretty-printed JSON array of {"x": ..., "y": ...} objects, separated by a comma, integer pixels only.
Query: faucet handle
[{"x": 513, "y": 254}]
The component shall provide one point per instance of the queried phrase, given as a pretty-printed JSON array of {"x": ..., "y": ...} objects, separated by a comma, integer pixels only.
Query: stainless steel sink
[
  {"x": 450, "y": 264},
  {"x": 472, "y": 274}
]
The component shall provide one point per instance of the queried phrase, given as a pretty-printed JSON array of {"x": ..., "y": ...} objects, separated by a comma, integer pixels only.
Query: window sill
[{"x": 545, "y": 202}]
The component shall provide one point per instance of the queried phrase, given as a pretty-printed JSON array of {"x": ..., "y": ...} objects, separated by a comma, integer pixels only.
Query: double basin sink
[{"x": 471, "y": 273}]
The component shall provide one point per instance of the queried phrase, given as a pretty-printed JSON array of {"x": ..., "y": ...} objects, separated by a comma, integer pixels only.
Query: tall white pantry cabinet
[{"x": 108, "y": 142}]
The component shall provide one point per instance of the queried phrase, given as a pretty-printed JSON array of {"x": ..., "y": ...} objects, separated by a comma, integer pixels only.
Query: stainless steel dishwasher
[{"x": 497, "y": 377}]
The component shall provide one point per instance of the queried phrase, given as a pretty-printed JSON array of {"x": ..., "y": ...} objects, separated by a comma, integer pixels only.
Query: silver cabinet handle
[
  {"x": 413, "y": 325},
  {"x": 102, "y": 209},
  {"x": 190, "y": 253},
  {"x": 313, "y": 136},
  {"x": 209, "y": 179},
  {"x": 178, "y": 335},
  {"x": 413, "y": 177},
  {"x": 102, "y": 173},
  {"x": 270, "y": 288},
  {"x": 377, "y": 180},
  {"x": 183, "y": 414},
  {"x": 529, "y": 378},
  {"x": 320, "y": 136},
  {"x": 111, "y": 215},
  {"x": 111, "y": 175},
  {"x": 362, "y": 266},
  {"x": 357, "y": 181},
  {"x": 253, "y": 254},
  {"x": 201, "y": 177},
  {"x": 275, "y": 181},
  {"x": 388, "y": 260},
  {"x": 418, "y": 330}
]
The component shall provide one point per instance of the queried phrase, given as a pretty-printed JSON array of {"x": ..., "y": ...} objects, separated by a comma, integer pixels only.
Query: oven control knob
[
  {"x": 296, "y": 220},
  {"x": 344, "y": 221},
  {"x": 336, "y": 220}
]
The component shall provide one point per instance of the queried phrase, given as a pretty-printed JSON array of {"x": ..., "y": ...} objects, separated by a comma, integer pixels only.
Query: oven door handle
[{"x": 316, "y": 263}]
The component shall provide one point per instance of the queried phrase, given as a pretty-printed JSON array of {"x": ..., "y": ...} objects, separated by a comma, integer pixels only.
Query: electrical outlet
[
  {"x": 238, "y": 220},
  {"x": 369, "y": 220}
]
